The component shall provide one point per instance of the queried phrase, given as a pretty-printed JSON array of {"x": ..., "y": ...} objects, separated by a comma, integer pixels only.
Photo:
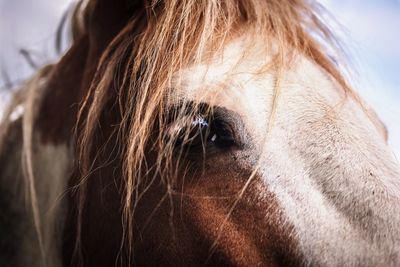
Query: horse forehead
[
  {"x": 238, "y": 81},
  {"x": 237, "y": 64},
  {"x": 232, "y": 80}
]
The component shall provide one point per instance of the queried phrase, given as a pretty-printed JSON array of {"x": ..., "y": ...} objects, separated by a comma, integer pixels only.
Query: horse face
[
  {"x": 277, "y": 167},
  {"x": 220, "y": 209},
  {"x": 255, "y": 185}
]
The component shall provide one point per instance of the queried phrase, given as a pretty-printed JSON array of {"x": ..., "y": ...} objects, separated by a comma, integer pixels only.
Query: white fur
[
  {"x": 324, "y": 160},
  {"x": 17, "y": 113},
  {"x": 47, "y": 169},
  {"x": 327, "y": 164}
]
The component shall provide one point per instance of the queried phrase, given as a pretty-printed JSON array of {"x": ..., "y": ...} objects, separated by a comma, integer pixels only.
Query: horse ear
[
  {"x": 105, "y": 18},
  {"x": 102, "y": 21}
]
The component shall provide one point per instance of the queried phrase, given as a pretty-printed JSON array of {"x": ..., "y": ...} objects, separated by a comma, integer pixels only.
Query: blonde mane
[
  {"x": 139, "y": 80},
  {"x": 136, "y": 70}
]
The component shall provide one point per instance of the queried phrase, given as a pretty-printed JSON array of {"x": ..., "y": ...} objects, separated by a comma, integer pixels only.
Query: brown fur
[
  {"x": 137, "y": 68},
  {"x": 118, "y": 72}
]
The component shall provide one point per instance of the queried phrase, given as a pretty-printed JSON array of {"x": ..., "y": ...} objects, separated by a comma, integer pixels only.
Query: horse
[{"x": 190, "y": 133}]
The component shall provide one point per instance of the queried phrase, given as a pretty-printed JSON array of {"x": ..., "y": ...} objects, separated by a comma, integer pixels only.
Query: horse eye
[
  {"x": 221, "y": 134},
  {"x": 205, "y": 132}
]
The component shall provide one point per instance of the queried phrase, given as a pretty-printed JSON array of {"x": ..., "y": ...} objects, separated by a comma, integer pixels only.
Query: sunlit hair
[{"x": 137, "y": 69}]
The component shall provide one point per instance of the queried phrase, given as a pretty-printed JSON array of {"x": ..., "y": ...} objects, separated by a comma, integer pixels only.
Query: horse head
[{"x": 208, "y": 133}]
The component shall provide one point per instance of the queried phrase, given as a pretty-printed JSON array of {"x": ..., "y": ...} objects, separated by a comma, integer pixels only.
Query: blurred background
[{"x": 370, "y": 30}]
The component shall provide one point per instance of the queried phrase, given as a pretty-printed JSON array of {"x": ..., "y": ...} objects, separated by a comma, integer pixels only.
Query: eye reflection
[
  {"x": 203, "y": 129},
  {"x": 200, "y": 122},
  {"x": 207, "y": 133}
]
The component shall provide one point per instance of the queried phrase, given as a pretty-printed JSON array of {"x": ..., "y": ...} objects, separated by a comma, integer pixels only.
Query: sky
[
  {"x": 370, "y": 30},
  {"x": 31, "y": 25}
]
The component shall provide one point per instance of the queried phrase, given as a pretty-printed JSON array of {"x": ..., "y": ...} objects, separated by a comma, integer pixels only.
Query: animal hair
[
  {"x": 138, "y": 66},
  {"x": 136, "y": 71}
]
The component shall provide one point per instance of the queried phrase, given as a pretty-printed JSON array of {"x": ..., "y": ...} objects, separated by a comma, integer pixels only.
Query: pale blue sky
[{"x": 371, "y": 29}]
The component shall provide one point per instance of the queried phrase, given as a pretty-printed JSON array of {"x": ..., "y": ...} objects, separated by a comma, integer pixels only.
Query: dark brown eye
[
  {"x": 206, "y": 133},
  {"x": 221, "y": 134}
]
